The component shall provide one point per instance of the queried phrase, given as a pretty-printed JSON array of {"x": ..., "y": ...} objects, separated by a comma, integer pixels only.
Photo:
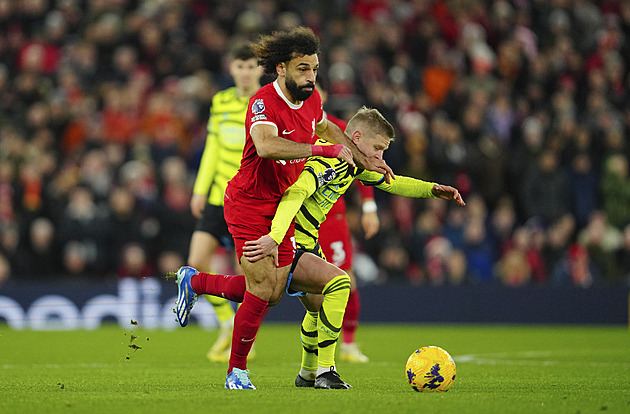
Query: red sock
[
  {"x": 246, "y": 323},
  {"x": 229, "y": 287},
  {"x": 351, "y": 317}
]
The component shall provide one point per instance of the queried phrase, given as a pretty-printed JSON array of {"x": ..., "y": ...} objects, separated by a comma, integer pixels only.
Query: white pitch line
[
  {"x": 95, "y": 365},
  {"x": 506, "y": 358}
]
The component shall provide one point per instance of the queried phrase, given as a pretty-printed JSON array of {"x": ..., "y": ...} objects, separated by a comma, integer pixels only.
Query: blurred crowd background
[{"x": 523, "y": 105}]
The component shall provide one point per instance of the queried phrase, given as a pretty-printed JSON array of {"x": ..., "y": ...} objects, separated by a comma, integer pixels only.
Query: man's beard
[{"x": 298, "y": 92}]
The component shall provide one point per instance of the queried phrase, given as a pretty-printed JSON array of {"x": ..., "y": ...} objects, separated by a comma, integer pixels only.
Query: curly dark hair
[{"x": 284, "y": 46}]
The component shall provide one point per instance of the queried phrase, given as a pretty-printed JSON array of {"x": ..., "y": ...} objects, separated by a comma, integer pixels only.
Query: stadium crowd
[{"x": 523, "y": 105}]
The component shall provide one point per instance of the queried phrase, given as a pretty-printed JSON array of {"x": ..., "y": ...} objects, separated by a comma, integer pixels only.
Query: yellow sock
[
  {"x": 308, "y": 336},
  {"x": 222, "y": 307},
  {"x": 330, "y": 317}
]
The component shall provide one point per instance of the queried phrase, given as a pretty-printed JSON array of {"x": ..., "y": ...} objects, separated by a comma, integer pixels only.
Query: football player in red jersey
[{"x": 282, "y": 121}]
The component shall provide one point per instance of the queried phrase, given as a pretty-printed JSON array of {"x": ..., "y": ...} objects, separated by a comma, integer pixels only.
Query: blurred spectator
[
  {"x": 502, "y": 223},
  {"x": 545, "y": 192},
  {"x": 77, "y": 260},
  {"x": 176, "y": 222},
  {"x": 576, "y": 269},
  {"x": 584, "y": 188},
  {"x": 9, "y": 243},
  {"x": 454, "y": 227},
  {"x": 457, "y": 269},
  {"x": 499, "y": 99},
  {"x": 5, "y": 269},
  {"x": 522, "y": 259},
  {"x": 169, "y": 260},
  {"x": 623, "y": 257},
  {"x": 558, "y": 239},
  {"x": 39, "y": 251},
  {"x": 427, "y": 225},
  {"x": 615, "y": 189},
  {"x": 602, "y": 241},
  {"x": 83, "y": 233},
  {"x": 125, "y": 222},
  {"x": 437, "y": 252},
  {"x": 452, "y": 159},
  {"x": 7, "y": 191},
  {"x": 478, "y": 250},
  {"x": 133, "y": 262}
]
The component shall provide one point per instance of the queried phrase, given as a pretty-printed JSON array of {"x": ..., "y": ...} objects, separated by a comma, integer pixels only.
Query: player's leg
[
  {"x": 308, "y": 338},
  {"x": 203, "y": 246},
  {"x": 260, "y": 278},
  {"x": 336, "y": 244},
  {"x": 210, "y": 232},
  {"x": 350, "y": 351},
  {"x": 314, "y": 275},
  {"x": 192, "y": 283}
]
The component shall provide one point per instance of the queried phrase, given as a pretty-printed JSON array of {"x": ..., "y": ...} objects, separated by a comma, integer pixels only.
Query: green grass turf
[{"x": 500, "y": 369}]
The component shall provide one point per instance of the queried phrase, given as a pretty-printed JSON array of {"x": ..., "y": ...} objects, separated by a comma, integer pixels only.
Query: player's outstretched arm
[{"x": 411, "y": 187}]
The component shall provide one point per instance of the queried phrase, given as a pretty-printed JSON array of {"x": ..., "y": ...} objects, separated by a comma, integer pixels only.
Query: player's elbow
[
  {"x": 264, "y": 152},
  {"x": 265, "y": 147}
]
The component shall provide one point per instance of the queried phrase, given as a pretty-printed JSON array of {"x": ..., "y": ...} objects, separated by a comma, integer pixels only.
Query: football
[{"x": 430, "y": 369}]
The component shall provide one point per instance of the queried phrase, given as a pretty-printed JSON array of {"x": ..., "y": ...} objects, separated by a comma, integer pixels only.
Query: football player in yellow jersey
[
  {"x": 322, "y": 182},
  {"x": 219, "y": 163}
]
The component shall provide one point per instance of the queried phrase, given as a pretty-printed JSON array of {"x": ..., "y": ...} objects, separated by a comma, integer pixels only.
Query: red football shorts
[{"x": 248, "y": 222}]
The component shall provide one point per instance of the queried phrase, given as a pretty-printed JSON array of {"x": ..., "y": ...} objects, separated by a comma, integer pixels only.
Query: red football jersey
[{"x": 264, "y": 180}]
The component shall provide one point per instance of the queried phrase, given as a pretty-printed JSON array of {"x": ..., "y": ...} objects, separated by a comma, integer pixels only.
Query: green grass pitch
[{"x": 514, "y": 369}]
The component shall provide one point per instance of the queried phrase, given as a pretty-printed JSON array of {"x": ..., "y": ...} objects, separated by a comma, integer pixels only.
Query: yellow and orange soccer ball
[{"x": 430, "y": 369}]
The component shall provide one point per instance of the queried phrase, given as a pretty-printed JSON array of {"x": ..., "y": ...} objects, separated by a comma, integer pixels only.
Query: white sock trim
[
  {"x": 308, "y": 375},
  {"x": 321, "y": 370}
]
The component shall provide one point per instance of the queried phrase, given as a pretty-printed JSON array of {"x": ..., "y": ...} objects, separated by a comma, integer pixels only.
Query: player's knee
[
  {"x": 276, "y": 296},
  {"x": 260, "y": 290},
  {"x": 339, "y": 283}
]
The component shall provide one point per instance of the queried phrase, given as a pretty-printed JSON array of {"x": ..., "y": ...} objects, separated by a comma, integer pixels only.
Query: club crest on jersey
[
  {"x": 326, "y": 176},
  {"x": 258, "y": 106}
]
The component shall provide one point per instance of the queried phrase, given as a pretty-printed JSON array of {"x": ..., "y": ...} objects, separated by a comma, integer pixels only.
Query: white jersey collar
[{"x": 279, "y": 92}]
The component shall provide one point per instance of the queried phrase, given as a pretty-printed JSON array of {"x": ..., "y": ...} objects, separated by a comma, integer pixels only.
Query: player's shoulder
[
  {"x": 265, "y": 91},
  {"x": 322, "y": 164},
  {"x": 224, "y": 95},
  {"x": 227, "y": 100},
  {"x": 322, "y": 142},
  {"x": 264, "y": 99}
]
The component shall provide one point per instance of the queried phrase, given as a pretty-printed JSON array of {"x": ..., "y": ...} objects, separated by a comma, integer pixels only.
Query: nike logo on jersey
[
  {"x": 285, "y": 132},
  {"x": 247, "y": 340}
]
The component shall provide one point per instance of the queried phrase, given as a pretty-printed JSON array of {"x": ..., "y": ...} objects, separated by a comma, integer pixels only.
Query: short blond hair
[{"x": 372, "y": 119}]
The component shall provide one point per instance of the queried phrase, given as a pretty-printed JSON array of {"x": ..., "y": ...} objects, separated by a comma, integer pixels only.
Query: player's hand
[
  {"x": 374, "y": 164},
  {"x": 261, "y": 248},
  {"x": 370, "y": 224},
  {"x": 346, "y": 155},
  {"x": 197, "y": 204},
  {"x": 446, "y": 192}
]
